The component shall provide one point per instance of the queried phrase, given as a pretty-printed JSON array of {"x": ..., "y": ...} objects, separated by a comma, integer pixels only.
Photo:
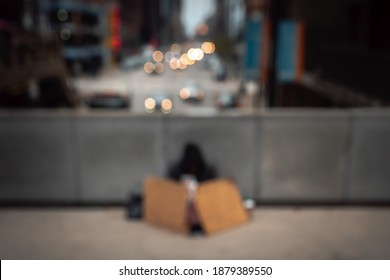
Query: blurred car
[
  {"x": 108, "y": 99},
  {"x": 226, "y": 99},
  {"x": 140, "y": 60},
  {"x": 132, "y": 62},
  {"x": 214, "y": 63},
  {"x": 158, "y": 102},
  {"x": 192, "y": 93}
]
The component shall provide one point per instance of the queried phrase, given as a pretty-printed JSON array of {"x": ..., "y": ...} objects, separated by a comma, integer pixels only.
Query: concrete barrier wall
[
  {"x": 289, "y": 156},
  {"x": 303, "y": 156},
  {"x": 37, "y": 159},
  {"x": 116, "y": 153},
  {"x": 369, "y": 162}
]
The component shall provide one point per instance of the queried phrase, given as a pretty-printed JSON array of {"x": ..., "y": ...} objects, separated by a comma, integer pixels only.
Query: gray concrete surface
[
  {"x": 303, "y": 156},
  {"x": 277, "y": 155},
  {"x": 117, "y": 154},
  {"x": 370, "y": 158},
  {"x": 273, "y": 233},
  {"x": 36, "y": 154}
]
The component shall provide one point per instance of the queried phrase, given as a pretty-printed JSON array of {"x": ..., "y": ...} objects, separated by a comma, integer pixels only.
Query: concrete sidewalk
[{"x": 273, "y": 233}]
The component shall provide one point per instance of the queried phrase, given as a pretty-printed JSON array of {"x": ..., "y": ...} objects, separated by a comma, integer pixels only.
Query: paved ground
[{"x": 274, "y": 233}]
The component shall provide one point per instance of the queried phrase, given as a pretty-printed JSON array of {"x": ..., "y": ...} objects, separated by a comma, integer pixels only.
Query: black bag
[{"x": 134, "y": 206}]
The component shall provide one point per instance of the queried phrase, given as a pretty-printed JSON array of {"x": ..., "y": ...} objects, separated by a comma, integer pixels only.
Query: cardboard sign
[
  {"x": 218, "y": 204},
  {"x": 165, "y": 204}
]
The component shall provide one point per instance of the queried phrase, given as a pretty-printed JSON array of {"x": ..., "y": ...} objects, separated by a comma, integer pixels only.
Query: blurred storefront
[{"x": 336, "y": 51}]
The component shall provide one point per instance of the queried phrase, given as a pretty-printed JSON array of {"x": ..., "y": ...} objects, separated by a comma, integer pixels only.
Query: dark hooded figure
[{"x": 192, "y": 163}]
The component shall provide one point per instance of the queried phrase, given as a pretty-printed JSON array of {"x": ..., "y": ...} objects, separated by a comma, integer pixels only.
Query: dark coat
[{"x": 192, "y": 163}]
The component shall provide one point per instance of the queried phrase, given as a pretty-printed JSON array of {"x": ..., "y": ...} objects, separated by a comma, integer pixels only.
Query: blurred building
[
  {"x": 347, "y": 43},
  {"x": 150, "y": 22},
  {"x": 32, "y": 67},
  {"x": 236, "y": 19},
  {"x": 12, "y": 12},
  {"x": 88, "y": 32},
  {"x": 82, "y": 28},
  {"x": 228, "y": 20},
  {"x": 345, "y": 52},
  {"x": 171, "y": 26},
  {"x": 139, "y": 23}
]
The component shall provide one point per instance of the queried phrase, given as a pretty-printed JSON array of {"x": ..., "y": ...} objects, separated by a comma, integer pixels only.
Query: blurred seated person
[
  {"x": 192, "y": 163},
  {"x": 190, "y": 171},
  {"x": 179, "y": 204}
]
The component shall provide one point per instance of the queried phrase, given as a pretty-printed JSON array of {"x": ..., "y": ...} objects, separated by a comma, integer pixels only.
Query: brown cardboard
[
  {"x": 165, "y": 204},
  {"x": 219, "y": 205}
]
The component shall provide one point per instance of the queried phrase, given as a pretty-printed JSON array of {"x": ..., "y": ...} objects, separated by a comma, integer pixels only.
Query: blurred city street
[
  {"x": 273, "y": 233},
  {"x": 283, "y": 104},
  {"x": 138, "y": 86}
]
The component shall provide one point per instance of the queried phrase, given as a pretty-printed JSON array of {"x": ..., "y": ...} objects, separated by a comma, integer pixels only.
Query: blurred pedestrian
[{"x": 190, "y": 171}]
